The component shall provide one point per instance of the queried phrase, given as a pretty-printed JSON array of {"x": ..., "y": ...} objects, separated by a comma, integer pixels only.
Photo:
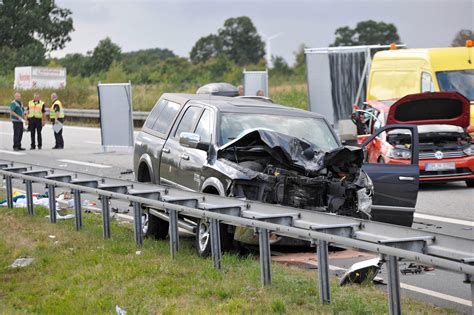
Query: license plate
[{"x": 440, "y": 166}]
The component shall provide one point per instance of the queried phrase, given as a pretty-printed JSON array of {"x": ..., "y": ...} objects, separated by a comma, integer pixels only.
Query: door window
[
  {"x": 426, "y": 82},
  {"x": 188, "y": 120},
  {"x": 204, "y": 127}
]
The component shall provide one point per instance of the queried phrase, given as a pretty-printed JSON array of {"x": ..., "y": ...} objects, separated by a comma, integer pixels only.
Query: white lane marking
[
  {"x": 413, "y": 288},
  {"x": 444, "y": 219},
  {"x": 438, "y": 295},
  {"x": 85, "y": 163},
  {"x": 92, "y": 142},
  {"x": 12, "y": 152}
]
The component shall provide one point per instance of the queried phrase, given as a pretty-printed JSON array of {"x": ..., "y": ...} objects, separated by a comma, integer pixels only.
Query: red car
[{"x": 446, "y": 149}]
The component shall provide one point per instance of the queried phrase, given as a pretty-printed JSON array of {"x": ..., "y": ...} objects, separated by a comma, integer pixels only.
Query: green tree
[
  {"x": 206, "y": 48},
  {"x": 280, "y": 67},
  {"x": 116, "y": 73},
  {"x": 103, "y": 55},
  {"x": 367, "y": 33},
  {"x": 461, "y": 37},
  {"x": 76, "y": 64},
  {"x": 29, "y": 29},
  {"x": 241, "y": 42}
]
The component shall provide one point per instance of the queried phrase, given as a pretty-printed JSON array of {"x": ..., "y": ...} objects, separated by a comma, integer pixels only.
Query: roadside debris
[
  {"x": 21, "y": 262},
  {"x": 120, "y": 311}
]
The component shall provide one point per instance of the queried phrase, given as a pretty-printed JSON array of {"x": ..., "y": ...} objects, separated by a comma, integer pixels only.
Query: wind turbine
[{"x": 268, "y": 48}]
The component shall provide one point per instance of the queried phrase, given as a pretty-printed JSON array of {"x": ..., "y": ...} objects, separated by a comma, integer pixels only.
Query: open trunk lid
[{"x": 449, "y": 108}]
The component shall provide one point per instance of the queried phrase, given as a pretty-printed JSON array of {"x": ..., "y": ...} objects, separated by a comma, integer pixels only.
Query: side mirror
[{"x": 193, "y": 141}]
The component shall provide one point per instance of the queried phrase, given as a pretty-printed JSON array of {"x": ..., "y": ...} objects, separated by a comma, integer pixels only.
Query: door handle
[
  {"x": 185, "y": 157},
  {"x": 406, "y": 178},
  {"x": 166, "y": 150}
]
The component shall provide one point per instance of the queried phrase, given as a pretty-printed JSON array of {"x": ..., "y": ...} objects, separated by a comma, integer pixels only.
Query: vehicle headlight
[
  {"x": 399, "y": 154},
  {"x": 364, "y": 201},
  {"x": 469, "y": 150}
]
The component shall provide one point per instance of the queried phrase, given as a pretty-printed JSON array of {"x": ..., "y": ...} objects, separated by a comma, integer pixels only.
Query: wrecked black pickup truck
[{"x": 255, "y": 150}]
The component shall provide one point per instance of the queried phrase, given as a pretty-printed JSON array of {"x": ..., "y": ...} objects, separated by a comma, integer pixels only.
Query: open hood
[{"x": 449, "y": 108}]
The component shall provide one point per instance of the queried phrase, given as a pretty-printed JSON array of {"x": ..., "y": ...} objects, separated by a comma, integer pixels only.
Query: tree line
[{"x": 216, "y": 57}]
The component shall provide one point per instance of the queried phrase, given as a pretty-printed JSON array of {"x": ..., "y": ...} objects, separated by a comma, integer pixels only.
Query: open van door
[{"x": 395, "y": 185}]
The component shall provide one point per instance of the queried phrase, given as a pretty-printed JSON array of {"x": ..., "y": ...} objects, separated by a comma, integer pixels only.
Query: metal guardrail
[
  {"x": 83, "y": 113},
  {"x": 390, "y": 241}
]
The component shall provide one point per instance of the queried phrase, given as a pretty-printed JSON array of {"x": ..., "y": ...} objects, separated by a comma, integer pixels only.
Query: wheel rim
[
  {"x": 203, "y": 234},
  {"x": 145, "y": 223}
]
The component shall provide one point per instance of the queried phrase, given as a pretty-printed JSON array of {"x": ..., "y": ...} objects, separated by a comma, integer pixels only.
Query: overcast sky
[{"x": 178, "y": 24}]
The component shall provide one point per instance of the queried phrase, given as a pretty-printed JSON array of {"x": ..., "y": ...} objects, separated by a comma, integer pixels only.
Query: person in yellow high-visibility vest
[
  {"x": 36, "y": 120},
  {"x": 57, "y": 119}
]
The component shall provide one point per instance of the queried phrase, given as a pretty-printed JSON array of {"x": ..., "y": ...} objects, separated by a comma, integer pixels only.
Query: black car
[{"x": 255, "y": 150}]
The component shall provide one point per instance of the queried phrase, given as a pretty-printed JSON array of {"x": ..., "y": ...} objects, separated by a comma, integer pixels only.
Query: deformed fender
[{"x": 214, "y": 182}]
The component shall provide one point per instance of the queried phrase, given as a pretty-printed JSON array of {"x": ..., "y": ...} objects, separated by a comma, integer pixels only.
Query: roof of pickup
[{"x": 235, "y": 104}]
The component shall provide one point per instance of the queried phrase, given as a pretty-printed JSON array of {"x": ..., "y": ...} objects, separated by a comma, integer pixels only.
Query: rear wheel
[
  {"x": 154, "y": 227},
  {"x": 470, "y": 182}
]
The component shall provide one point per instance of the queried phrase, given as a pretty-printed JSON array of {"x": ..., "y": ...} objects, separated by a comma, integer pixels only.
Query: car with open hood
[
  {"x": 251, "y": 149},
  {"x": 446, "y": 150}
]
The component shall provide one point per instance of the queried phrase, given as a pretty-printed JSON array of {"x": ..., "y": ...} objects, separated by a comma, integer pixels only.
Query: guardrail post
[
  {"x": 9, "y": 186},
  {"x": 29, "y": 196},
  {"x": 173, "y": 231},
  {"x": 216, "y": 243},
  {"x": 137, "y": 223},
  {"x": 323, "y": 271},
  {"x": 78, "y": 209},
  {"x": 105, "y": 216},
  {"x": 393, "y": 286},
  {"x": 265, "y": 257},
  {"x": 52, "y": 202}
]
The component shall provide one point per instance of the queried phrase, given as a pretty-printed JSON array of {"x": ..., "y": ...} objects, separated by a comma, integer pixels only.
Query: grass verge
[{"x": 79, "y": 272}]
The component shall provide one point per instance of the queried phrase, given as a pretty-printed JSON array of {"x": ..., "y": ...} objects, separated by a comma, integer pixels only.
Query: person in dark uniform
[
  {"x": 57, "y": 119},
  {"x": 17, "y": 115},
  {"x": 36, "y": 120}
]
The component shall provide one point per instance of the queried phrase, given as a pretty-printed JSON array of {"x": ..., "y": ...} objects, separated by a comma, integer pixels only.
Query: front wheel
[
  {"x": 470, "y": 182},
  {"x": 203, "y": 237}
]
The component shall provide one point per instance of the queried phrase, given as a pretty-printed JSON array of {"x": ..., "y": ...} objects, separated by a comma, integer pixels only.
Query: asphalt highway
[{"x": 444, "y": 208}]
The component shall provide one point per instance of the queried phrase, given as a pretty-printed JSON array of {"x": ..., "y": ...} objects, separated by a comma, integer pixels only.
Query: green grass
[{"x": 80, "y": 273}]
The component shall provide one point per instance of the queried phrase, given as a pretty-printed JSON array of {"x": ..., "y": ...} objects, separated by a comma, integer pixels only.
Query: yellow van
[{"x": 398, "y": 72}]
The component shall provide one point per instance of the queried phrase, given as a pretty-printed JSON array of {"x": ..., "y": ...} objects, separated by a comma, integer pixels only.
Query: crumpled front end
[{"x": 289, "y": 171}]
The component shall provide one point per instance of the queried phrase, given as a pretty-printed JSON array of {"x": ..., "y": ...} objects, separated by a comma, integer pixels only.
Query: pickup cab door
[
  {"x": 395, "y": 185},
  {"x": 174, "y": 154},
  {"x": 192, "y": 160}
]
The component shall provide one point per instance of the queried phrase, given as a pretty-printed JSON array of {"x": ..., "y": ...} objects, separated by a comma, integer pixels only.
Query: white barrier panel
[
  {"x": 255, "y": 81},
  {"x": 116, "y": 114}
]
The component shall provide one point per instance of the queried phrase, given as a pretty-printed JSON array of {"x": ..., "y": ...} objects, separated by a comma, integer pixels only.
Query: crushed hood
[
  {"x": 449, "y": 108},
  {"x": 297, "y": 154}
]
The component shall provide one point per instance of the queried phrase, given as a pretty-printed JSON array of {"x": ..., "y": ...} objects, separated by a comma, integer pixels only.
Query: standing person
[
  {"x": 17, "y": 115},
  {"x": 57, "y": 119},
  {"x": 36, "y": 120},
  {"x": 241, "y": 90}
]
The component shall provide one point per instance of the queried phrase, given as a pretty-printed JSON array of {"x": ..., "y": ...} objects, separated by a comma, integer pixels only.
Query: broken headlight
[
  {"x": 364, "y": 201},
  {"x": 364, "y": 195}
]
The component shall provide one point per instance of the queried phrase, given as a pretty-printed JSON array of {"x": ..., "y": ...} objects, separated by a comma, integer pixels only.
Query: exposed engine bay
[
  {"x": 432, "y": 138},
  {"x": 289, "y": 171}
]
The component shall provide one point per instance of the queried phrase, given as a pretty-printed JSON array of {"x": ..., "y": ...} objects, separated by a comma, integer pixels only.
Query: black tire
[
  {"x": 202, "y": 240},
  {"x": 380, "y": 160},
  {"x": 154, "y": 227},
  {"x": 470, "y": 182}
]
